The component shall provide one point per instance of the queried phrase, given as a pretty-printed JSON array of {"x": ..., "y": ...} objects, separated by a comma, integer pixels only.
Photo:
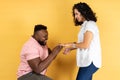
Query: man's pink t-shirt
[{"x": 31, "y": 49}]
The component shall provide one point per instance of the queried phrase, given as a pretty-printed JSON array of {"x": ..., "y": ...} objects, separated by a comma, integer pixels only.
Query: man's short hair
[{"x": 39, "y": 27}]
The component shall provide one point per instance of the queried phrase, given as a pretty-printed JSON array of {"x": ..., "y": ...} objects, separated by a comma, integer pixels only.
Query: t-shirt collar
[{"x": 84, "y": 23}]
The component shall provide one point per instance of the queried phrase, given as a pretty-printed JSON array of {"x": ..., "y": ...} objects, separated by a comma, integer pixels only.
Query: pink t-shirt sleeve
[{"x": 31, "y": 53}]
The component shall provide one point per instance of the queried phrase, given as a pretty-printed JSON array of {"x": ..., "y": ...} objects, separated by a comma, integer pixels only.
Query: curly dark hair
[{"x": 85, "y": 11}]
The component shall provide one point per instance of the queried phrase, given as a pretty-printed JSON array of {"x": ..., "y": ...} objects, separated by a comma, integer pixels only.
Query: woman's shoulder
[
  {"x": 91, "y": 22},
  {"x": 92, "y": 25}
]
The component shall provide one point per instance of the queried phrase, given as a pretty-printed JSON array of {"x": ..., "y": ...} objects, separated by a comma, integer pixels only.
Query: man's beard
[{"x": 42, "y": 43}]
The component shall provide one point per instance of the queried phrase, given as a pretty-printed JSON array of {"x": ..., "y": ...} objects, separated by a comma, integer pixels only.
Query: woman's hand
[
  {"x": 66, "y": 51},
  {"x": 67, "y": 47}
]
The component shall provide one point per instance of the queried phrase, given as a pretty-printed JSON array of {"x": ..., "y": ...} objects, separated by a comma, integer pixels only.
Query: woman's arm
[{"x": 88, "y": 36}]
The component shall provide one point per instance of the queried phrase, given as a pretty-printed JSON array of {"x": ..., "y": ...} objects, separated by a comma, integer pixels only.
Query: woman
[{"x": 88, "y": 45}]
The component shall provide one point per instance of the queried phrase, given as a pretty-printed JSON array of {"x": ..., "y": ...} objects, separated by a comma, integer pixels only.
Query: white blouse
[{"x": 92, "y": 54}]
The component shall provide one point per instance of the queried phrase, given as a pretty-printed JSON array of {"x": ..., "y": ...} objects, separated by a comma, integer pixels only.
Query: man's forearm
[{"x": 45, "y": 63}]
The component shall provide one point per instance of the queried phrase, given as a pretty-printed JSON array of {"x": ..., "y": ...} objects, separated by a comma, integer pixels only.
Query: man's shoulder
[{"x": 31, "y": 41}]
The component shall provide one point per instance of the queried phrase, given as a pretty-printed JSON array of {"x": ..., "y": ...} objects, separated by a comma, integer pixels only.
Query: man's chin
[{"x": 42, "y": 43}]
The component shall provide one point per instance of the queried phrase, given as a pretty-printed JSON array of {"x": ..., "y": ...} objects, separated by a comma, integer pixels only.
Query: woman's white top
[{"x": 93, "y": 53}]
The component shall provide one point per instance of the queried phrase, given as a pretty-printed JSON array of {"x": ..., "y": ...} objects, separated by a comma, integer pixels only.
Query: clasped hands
[{"x": 67, "y": 47}]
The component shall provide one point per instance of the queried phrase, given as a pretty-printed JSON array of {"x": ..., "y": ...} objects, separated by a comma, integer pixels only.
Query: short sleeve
[
  {"x": 31, "y": 53},
  {"x": 91, "y": 26}
]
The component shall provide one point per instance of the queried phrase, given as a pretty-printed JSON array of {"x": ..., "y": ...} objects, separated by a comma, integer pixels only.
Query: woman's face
[{"x": 78, "y": 16}]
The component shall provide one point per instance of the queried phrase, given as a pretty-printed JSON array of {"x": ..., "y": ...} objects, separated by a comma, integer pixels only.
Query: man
[{"x": 35, "y": 56}]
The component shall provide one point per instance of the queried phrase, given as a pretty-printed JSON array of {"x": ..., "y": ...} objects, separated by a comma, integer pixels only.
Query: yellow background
[{"x": 17, "y": 20}]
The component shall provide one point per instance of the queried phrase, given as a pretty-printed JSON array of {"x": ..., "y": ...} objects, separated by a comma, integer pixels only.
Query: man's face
[{"x": 42, "y": 37}]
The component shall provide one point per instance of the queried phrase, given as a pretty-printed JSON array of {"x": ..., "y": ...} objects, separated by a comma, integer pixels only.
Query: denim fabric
[{"x": 86, "y": 73}]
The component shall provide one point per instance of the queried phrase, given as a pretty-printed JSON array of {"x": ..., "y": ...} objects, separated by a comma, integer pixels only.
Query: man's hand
[
  {"x": 68, "y": 47},
  {"x": 57, "y": 49}
]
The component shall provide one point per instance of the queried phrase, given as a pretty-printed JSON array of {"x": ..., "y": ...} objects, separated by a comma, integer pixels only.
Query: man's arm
[
  {"x": 38, "y": 65},
  {"x": 49, "y": 50}
]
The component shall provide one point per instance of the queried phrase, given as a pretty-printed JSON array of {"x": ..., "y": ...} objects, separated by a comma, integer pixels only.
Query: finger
[{"x": 62, "y": 44}]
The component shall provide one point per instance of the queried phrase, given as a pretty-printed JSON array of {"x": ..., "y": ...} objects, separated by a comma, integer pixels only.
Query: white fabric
[{"x": 93, "y": 53}]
